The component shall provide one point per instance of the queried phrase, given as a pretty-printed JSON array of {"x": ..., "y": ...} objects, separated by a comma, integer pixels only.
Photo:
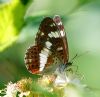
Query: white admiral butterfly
[{"x": 50, "y": 50}]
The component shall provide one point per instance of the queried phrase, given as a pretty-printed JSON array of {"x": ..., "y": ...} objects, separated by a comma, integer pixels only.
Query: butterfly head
[{"x": 69, "y": 64}]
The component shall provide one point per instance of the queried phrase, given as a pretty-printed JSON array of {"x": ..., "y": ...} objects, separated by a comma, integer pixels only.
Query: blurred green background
[{"x": 19, "y": 23}]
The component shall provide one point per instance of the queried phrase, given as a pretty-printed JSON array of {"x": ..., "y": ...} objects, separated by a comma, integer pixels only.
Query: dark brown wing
[
  {"x": 49, "y": 50},
  {"x": 36, "y": 60},
  {"x": 46, "y": 27},
  {"x": 62, "y": 42},
  {"x": 52, "y": 30},
  {"x": 40, "y": 55},
  {"x": 33, "y": 57}
]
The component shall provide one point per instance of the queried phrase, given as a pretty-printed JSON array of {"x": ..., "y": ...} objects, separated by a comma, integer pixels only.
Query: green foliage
[{"x": 11, "y": 21}]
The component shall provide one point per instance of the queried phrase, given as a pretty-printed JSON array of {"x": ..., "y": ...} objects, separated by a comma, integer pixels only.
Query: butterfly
[{"x": 50, "y": 50}]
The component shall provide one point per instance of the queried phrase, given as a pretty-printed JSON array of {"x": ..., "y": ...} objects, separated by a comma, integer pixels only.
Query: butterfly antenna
[
  {"x": 74, "y": 58},
  {"x": 78, "y": 55}
]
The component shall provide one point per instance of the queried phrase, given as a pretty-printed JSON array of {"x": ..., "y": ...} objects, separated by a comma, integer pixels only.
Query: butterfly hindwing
[
  {"x": 32, "y": 59},
  {"x": 37, "y": 59}
]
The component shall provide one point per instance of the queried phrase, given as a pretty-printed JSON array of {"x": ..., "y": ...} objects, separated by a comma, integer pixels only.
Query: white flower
[
  {"x": 60, "y": 81},
  {"x": 70, "y": 83},
  {"x": 11, "y": 90}
]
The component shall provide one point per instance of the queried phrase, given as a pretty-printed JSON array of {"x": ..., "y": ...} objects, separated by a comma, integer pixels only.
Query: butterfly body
[{"x": 50, "y": 50}]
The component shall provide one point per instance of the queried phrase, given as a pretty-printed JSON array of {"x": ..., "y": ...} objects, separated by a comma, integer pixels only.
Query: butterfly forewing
[
  {"x": 62, "y": 50},
  {"x": 47, "y": 26},
  {"x": 53, "y": 31}
]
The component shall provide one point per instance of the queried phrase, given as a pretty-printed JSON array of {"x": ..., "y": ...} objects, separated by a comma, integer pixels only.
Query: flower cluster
[{"x": 60, "y": 85}]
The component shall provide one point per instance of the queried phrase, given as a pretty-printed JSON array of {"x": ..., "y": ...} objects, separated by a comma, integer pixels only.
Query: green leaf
[{"x": 11, "y": 21}]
